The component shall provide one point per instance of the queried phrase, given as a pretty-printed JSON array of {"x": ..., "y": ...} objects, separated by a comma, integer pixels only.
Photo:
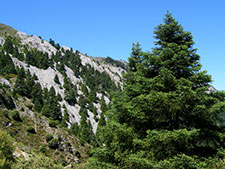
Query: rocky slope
[
  {"x": 46, "y": 77},
  {"x": 82, "y": 87}
]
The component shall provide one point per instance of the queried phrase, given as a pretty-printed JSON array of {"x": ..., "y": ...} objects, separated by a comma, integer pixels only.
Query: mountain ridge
[{"x": 81, "y": 87}]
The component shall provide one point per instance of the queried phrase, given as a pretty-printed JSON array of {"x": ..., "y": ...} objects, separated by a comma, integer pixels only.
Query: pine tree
[
  {"x": 85, "y": 132},
  {"x": 165, "y": 116},
  {"x": 20, "y": 84},
  {"x": 37, "y": 105},
  {"x": 29, "y": 84},
  {"x": 56, "y": 79},
  {"x": 75, "y": 129},
  {"x": 70, "y": 95},
  {"x": 51, "y": 106},
  {"x": 52, "y": 42},
  {"x": 6, "y": 150},
  {"x": 36, "y": 93},
  {"x": 8, "y": 45},
  {"x": 135, "y": 57},
  {"x": 65, "y": 118},
  {"x": 103, "y": 105},
  {"x": 6, "y": 64}
]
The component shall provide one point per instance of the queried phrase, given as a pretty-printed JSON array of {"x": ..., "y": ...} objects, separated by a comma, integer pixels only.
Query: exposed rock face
[
  {"x": 36, "y": 42},
  {"x": 2, "y": 41},
  {"x": 211, "y": 89},
  {"x": 19, "y": 153},
  {"x": 115, "y": 73},
  {"x": 5, "y": 82},
  {"x": 6, "y": 100},
  {"x": 45, "y": 77}
]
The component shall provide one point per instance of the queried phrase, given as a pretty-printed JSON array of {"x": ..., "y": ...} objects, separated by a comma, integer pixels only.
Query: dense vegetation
[{"x": 165, "y": 117}]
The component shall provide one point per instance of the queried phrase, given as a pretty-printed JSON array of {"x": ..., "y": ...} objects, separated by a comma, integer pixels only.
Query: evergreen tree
[
  {"x": 43, "y": 61},
  {"x": 103, "y": 105},
  {"x": 52, "y": 93},
  {"x": 91, "y": 107},
  {"x": 100, "y": 128},
  {"x": 56, "y": 79},
  {"x": 6, "y": 64},
  {"x": 8, "y": 45},
  {"x": 92, "y": 96},
  {"x": 51, "y": 106},
  {"x": 52, "y": 42},
  {"x": 65, "y": 118},
  {"x": 30, "y": 59},
  {"x": 70, "y": 96},
  {"x": 6, "y": 150},
  {"x": 37, "y": 105},
  {"x": 82, "y": 101},
  {"x": 21, "y": 72},
  {"x": 135, "y": 57},
  {"x": 59, "y": 97},
  {"x": 165, "y": 115},
  {"x": 85, "y": 132},
  {"x": 36, "y": 93},
  {"x": 84, "y": 89},
  {"x": 20, "y": 84},
  {"x": 74, "y": 129},
  {"x": 29, "y": 84}
]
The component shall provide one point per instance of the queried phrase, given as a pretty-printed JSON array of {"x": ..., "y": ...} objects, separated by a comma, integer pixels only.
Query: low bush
[
  {"x": 30, "y": 129},
  {"x": 48, "y": 137},
  {"x": 16, "y": 115},
  {"x": 53, "y": 144},
  {"x": 53, "y": 123}
]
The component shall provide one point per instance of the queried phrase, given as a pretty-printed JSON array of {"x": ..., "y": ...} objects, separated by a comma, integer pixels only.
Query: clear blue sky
[{"x": 109, "y": 27}]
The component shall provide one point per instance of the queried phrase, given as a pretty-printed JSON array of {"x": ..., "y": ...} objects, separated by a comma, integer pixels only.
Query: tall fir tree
[
  {"x": 164, "y": 117},
  {"x": 6, "y": 64},
  {"x": 8, "y": 45},
  {"x": 135, "y": 57},
  {"x": 51, "y": 106},
  {"x": 56, "y": 79}
]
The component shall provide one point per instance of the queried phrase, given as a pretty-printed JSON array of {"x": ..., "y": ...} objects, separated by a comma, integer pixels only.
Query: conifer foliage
[{"x": 165, "y": 117}]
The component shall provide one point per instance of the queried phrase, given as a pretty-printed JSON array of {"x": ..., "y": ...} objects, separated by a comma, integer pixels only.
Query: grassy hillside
[
  {"x": 7, "y": 29},
  {"x": 32, "y": 133}
]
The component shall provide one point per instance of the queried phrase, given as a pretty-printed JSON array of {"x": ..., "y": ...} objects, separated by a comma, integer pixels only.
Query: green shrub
[
  {"x": 30, "y": 129},
  {"x": 43, "y": 148},
  {"x": 30, "y": 106},
  {"x": 16, "y": 115},
  {"x": 96, "y": 118},
  {"x": 77, "y": 154},
  {"x": 48, "y": 137},
  {"x": 53, "y": 144},
  {"x": 62, "y": 161},
  {"x": 56, "y": 79},
  {"x": 6, "y": 114},
  {"x": 6, "y": 150},
  {"x": 53, "y": 123}
]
